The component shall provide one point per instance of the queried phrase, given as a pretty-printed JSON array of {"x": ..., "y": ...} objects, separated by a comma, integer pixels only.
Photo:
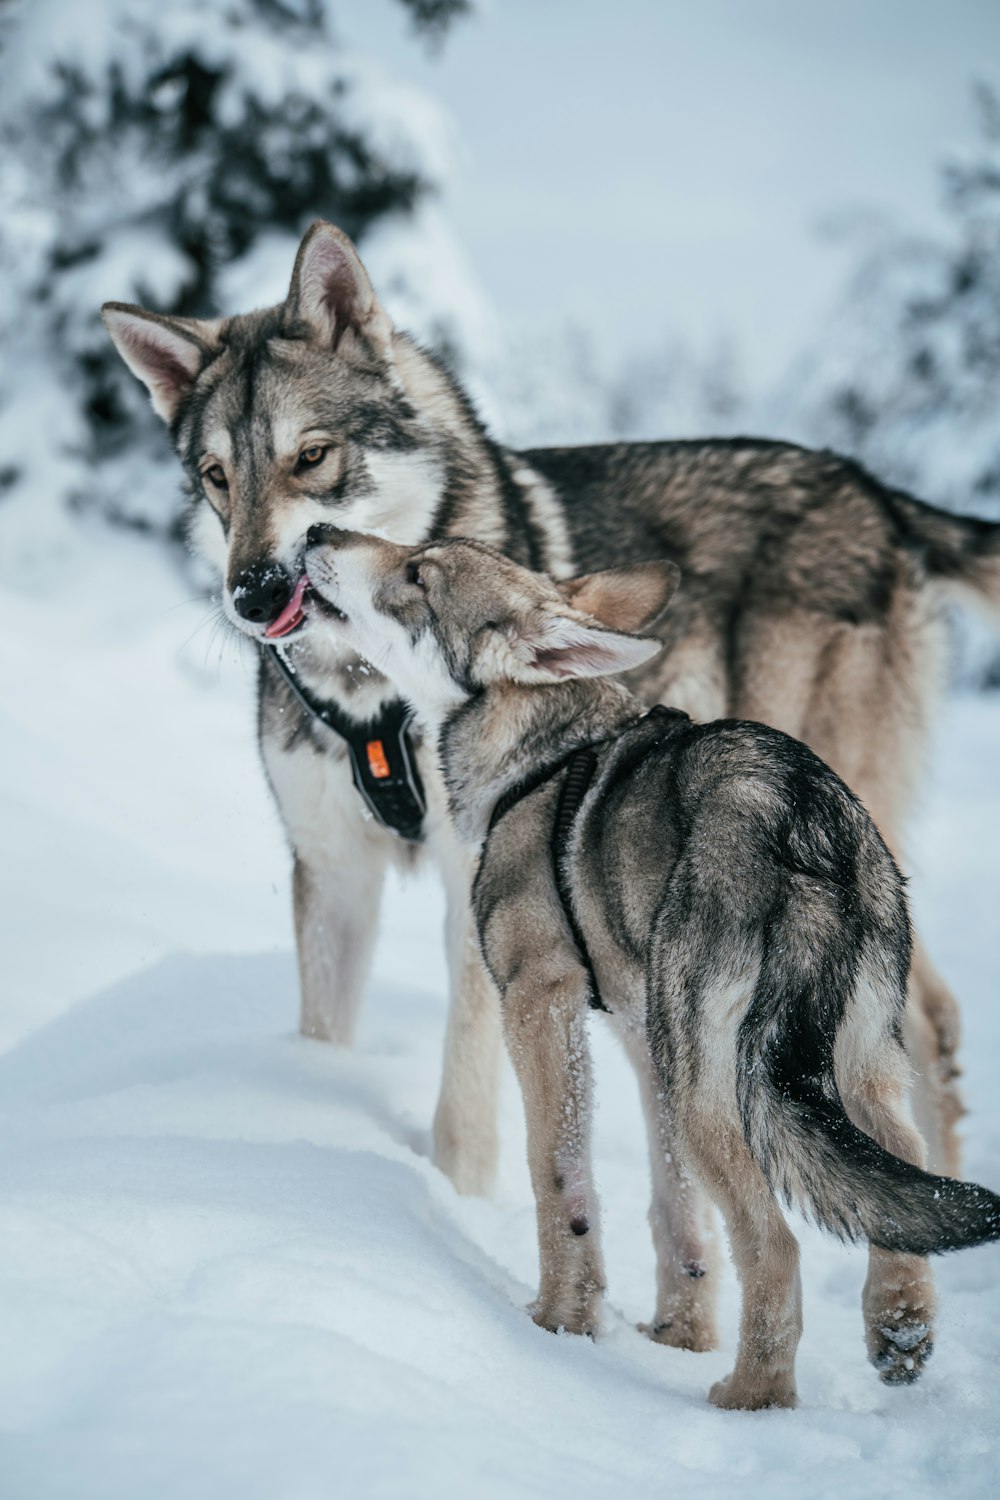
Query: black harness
[
  {"x": 579, "y": 767},
  {"x": 383, "y": 764}
]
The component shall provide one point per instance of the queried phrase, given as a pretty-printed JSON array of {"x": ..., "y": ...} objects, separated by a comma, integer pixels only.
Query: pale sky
[{"x": 642, "y": 166}]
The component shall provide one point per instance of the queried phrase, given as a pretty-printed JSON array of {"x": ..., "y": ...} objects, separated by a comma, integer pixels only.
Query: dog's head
[
  {"x": 445, "y": 620},
  {"x": 283, "y": 418}
]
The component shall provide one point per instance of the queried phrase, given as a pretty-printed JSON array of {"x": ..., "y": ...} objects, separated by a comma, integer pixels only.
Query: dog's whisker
[
  {"x": 210, "y": 621},
  {"x": 206, "y": 598}
]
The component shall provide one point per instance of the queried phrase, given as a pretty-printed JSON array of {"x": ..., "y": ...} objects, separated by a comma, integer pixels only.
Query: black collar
[
  {"x": 383, "y": 763},
  {"x": 579, "y": 766}
]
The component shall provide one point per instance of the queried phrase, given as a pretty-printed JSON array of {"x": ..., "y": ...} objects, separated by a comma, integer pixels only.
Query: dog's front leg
[
  {"x": 340, "y": 862},
  {"x": 465, "y": 1122},
  {"x": 336, "y": 918},
  {"x": 546, "y": 1028}
]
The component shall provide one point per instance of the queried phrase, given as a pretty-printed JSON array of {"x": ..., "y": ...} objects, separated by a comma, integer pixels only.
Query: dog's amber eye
[
  {"x": 311, "y": 456},
  {"x": 216, "y": 475},
  {"x": 414, "y": 575}
]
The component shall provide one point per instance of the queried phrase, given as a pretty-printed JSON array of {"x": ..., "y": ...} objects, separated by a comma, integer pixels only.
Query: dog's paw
[
  {"x": 555, "y": 1321},
  {"x": 696, "y": 1334},
  {"x": 575, "y": 1308},
  {"x": 899, "y": 1318},
  {"x": 737, "y": 1394},
  {"x": 899, "y": 1350}
]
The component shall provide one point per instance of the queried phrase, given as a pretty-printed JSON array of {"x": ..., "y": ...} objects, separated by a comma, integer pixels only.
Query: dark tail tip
[{"x": 945, "y": 1215}]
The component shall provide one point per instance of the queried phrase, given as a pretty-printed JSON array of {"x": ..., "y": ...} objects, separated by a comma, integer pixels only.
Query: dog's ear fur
[
  {"x": 330, "y": 293},
  {"x": 626, "y": 599},
  {"x": 560, "y": 646},
  {"x": 167, "y": 354}
]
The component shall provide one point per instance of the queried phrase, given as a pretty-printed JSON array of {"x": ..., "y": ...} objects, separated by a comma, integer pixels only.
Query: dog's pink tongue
[{"x": 292, "y": 613}]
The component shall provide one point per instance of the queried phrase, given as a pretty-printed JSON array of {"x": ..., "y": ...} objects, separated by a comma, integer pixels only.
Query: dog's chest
[{"x": 323, "y": 813}]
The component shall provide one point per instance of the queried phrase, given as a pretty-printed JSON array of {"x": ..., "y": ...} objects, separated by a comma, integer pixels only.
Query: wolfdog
[
  {"x": 716, "y": 887},
  {"x": 811, "y": 602}
]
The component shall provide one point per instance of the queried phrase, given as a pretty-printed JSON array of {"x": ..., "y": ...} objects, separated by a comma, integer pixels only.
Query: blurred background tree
[
  {"x": 906, "y": 376},
  {"x": 171, "y": 154}
]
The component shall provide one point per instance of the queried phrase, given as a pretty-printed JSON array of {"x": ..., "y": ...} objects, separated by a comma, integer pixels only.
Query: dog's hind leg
[
  {"x": 932, "y": 1029},
  {"x": 898, "y": 1301},
  {"x": 680, "y": 1217},
  {"x": 465, "y": 1122},
  {"x": 697, "y": 995},
  {"x": 767, "y": 1262},
  {"x": 862, "y": 697}
]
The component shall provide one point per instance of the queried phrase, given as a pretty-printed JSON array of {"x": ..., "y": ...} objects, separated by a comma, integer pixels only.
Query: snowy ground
[{"x": 227, "y": 1266}]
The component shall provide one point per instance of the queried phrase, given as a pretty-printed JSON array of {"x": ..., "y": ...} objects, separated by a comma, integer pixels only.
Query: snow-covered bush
[
  {"x": 559, "y": 386},
  {"x": 171, "y": 154},
  {"x": 907, "y": 374}
]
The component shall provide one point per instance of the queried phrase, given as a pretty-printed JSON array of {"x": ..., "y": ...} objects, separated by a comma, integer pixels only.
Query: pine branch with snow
[{"x": 172, "y": 155}]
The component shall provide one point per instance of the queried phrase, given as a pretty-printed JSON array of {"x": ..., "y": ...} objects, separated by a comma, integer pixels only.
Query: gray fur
[
  {"x": 741, "y": 912},
  {"x": 811, "y": 601}
]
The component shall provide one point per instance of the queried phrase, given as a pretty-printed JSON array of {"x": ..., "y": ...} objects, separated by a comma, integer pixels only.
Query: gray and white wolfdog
[
  {"x": 717, "y": 888},
  {"x": 812, "y": 602}
]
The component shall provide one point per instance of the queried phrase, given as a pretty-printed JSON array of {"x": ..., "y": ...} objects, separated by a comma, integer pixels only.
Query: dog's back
[{"x": 729, "y": 884}]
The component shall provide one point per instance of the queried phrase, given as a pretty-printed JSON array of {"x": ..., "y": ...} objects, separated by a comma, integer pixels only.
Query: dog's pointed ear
[
  {"x": 167, "y": 354},
  {"x": 627, "y": 599},
  {"x": 561, "y": 646},
  {"x": 330, "y": 293}
]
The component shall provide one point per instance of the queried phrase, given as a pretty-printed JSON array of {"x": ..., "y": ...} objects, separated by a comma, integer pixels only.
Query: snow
[{"x": 227, "y": 1264}]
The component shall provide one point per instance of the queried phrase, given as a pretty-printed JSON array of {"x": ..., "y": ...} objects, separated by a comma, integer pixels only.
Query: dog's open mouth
[{"x": 293, "y": 615}]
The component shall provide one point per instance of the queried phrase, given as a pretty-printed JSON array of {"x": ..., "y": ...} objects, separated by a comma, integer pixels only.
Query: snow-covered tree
[
  {"x": 171, "y": 154},
  {"x": 907, "y": 376},
  {"x": 557, "y": 385}
]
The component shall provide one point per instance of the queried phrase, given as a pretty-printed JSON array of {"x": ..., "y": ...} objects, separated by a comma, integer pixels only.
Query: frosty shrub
[
  {"x": 907, "y": 377},
  {"x": 557, "y": 385},
  {"x": 171, "y": 154}
]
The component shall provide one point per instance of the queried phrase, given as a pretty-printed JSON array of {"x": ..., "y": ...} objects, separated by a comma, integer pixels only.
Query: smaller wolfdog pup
[{"x": 715, "y": 887}]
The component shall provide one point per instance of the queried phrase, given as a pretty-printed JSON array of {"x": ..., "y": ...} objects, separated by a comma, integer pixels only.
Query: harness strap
[
  {"x": 380, "y": 750},
  {"x": 580, "y": 766},
  {"x": 579, "y": 774}
]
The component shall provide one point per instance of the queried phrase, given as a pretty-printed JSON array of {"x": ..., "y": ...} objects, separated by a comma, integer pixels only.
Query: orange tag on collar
[{"x": 377, "y": 763}]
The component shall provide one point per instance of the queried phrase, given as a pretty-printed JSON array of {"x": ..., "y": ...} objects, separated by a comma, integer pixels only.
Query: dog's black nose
[{"x": 261, "y": 592}]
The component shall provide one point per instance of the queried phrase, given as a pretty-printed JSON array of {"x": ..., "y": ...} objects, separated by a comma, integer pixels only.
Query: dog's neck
[{"x": 497, "y": 739}]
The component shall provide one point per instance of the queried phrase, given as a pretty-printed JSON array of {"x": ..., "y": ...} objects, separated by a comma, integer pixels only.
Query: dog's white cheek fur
[
  {"x": 401, "y": 506},
  {"x": 428, "y": 684},
  {"x": 415, "y": 668},
  {"x": 404, "y": 502},
  {"x": 346, "y": 582},
  {"x": 206, "y": 537}
]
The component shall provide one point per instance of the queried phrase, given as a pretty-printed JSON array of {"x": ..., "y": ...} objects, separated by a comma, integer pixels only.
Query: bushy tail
[
  {"x": 962, "y": 552},
  {"x": 799, "y": 1132}
]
